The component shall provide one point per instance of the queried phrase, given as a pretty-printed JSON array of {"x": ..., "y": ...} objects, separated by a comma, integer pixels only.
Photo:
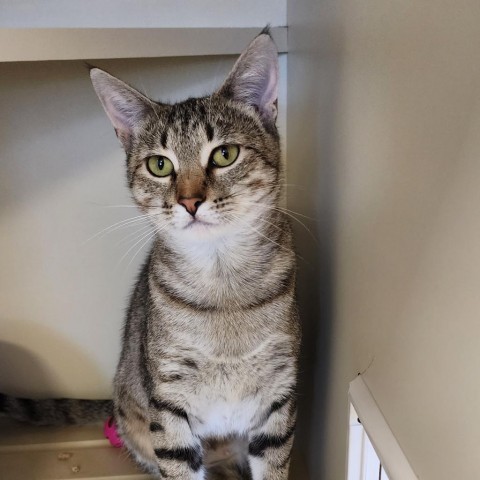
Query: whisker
[
  {"x": 118, "y": 206},
  {"x": 148, "y": 238},
  {"x": 155, "y": 232},
  {"x": 142, "y": 237},
  {"x": 138, "y": 207},
  {"x": 118, "y": 225},
  {"x": 241, "y": 192},
  {"x": 260, "y": 233},
  {"x": 284, "y": 211},
  {"x": 227, "y": 211},
  {"x": 269, "y": 223},
  {"x": 266, "y": 187},
  {"x": 269, "y": 239},
  {"x": 303, "y": 225},
  {"x": 128, "y": 237},
  {"x": 297, "y": 213},
  {"x": 278, "y": 184},
  {"x": 256, "y": 202}
]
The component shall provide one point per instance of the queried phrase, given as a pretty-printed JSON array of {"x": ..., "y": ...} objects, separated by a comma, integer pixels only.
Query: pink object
[{"x": 110, "y": 432}]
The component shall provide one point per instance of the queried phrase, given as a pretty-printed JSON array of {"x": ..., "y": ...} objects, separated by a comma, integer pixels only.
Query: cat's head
[{"x": 206, "y": 166}]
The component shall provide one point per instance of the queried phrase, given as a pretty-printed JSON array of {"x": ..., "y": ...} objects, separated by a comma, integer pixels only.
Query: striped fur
[{"x": 205, "y": 386}]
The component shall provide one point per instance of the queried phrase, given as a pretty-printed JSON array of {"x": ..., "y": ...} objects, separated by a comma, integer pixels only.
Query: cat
[{"x": 205, "y": 385}]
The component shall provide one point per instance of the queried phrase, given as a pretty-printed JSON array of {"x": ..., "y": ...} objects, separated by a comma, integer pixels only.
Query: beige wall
[
  {"x": 409, "y": 237},
  {"x": 395, "y": 151}
]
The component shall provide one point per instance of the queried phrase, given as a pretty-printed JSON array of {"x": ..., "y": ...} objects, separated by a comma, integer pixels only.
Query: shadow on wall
[
  {"x": 313, "y": 77},
  {"x": 25, "y": 369},
  {"x": 19, "y": 368}
]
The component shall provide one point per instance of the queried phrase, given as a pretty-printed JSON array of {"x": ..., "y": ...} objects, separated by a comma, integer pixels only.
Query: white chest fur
[
  {"x": 216, "y": 417},
  {"x": 231, "y": 397}
]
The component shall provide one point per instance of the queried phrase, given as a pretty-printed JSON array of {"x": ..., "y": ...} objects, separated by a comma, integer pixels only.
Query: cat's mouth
[{"x": 197, "y": 222}]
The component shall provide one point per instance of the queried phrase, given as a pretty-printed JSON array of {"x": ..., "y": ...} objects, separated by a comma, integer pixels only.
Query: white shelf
[
  {"x": 40, "y": 44},
  {"x": 60, "y": 453}
]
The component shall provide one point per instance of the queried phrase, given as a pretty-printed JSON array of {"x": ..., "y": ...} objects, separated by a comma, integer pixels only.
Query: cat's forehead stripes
[
  {"x": 186, "y": 116},
  {"x": 209, "y": 131},
  {"x": 163, "y": 138},
  {"x": 186, "y": 122},
  {"x": 189, "y": 129}
]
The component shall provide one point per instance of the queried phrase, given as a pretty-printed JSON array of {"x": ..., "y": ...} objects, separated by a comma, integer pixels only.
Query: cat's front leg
[
  {"x": 270, "y": 444},
  {"x": 178, "y": 452}
]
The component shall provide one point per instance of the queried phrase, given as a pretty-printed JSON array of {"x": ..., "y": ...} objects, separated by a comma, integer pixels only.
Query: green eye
[
  {"x": 224, "y": 155},
  {"x": 159, "y": 166}
]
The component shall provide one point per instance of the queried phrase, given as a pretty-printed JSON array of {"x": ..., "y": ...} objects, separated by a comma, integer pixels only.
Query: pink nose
[{"x": 191, "y": 204}]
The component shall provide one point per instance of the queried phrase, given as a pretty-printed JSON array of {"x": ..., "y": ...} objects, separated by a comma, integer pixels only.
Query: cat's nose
[{"x": 191, "y": 204}]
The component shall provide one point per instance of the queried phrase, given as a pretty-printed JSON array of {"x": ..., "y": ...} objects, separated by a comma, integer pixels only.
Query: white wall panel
[{"x": 141, "y": 13}]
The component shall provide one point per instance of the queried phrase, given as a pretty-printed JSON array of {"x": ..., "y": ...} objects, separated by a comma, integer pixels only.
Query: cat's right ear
[{"x": 125, "y": 106}]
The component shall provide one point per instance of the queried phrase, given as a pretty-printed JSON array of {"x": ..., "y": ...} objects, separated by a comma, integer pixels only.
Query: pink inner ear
[
  {"x": 124, "y": 113},
  {"x": 125, "y": 106},
  {"x": 270, "y": 96},
  {"x": 254, "y": 77},
  {"x": 121, "y": 113}
]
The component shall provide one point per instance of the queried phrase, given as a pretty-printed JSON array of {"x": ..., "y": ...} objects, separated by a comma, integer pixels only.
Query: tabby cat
[{"x": 211, "y": 339}]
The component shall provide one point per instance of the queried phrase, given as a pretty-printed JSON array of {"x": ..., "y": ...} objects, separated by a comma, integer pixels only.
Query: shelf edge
[{"x": 43, "y": 44}]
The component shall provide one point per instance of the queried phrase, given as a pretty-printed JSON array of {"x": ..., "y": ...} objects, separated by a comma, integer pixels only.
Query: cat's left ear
[
  {"x": 125, "y": 106},
  {"x": 254, "y": 78}
]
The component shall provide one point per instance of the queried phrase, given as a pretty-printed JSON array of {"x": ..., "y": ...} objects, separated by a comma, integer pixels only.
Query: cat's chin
[{"x": 200, "y": 229}]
